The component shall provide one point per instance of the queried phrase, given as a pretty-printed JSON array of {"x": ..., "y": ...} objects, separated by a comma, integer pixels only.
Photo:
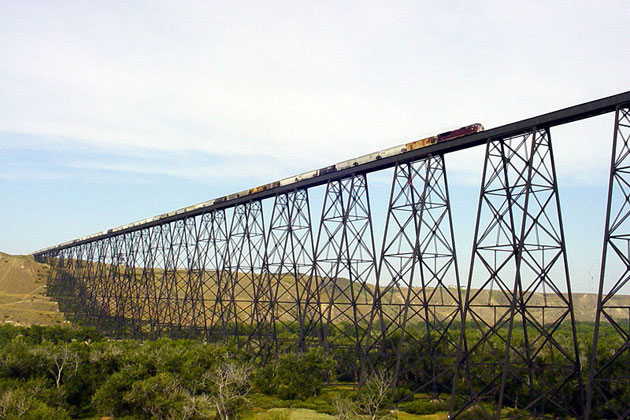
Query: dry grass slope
[
  {"x": 23, "y": 298},
  {"x": 23, "y": 294}
]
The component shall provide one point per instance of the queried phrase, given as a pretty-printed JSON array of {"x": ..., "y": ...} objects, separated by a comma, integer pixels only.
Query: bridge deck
[{"x": 563, "y": 116}]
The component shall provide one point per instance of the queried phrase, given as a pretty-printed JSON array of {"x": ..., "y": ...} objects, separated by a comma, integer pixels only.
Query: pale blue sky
[{"x": 111, "y": 113}]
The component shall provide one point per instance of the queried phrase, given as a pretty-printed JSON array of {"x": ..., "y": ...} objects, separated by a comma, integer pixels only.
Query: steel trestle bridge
[{"x": 261, "y": 269}]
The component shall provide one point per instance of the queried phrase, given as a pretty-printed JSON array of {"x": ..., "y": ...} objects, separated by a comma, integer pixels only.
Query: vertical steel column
[
  {"x": 345, "y": 262},
  {"x": 172, "y": 244},
  {"x": 144, "y": 269},
  {"x": 205, "y": 287},
  {"x": 152, "y": 268},
  {"x": 118, "y": 284},
  {"x": 189, "y": 279},
  {"x": 56, "y": 268},
  {"x": 160, "y": 237},
  {"x": 215, "y": 290},
  {"x": 129, "y": 278},
  {"x": 176, "y": 275},
  {"x": 609, "y": 378},
  {"x": 66, "y": 284},
  {"x": 136, "y": 267},
  {"x": 245, "y": 258},
  {"x": 418, "y": 263},
  {"x": 104, "y": 294},
  {"x": 253, "y": 267},
  {"x": 290, "y": 263},
  {"x": 54, "y": 276},
  {"x": 90, "y": 281},
  {"x": 519, "y": 343},
  {"x": 77, "y": 293},
  {"x": 98, "y": 294}
]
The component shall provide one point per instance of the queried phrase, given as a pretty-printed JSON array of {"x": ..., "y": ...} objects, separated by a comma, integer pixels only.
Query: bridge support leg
[
  {"x": 244, "y": 262},
  {"x": 152, "y": 250},
  {"x": 345, "y": 262},
  {"x": 519, "y": 346},
  {"x": 610, "y": 358},
  {"x": 65, "y": 283},
  {"x": 209, "y": 252},
  {"x": 143, "y": 289},
  {"x": 89, "y": 280},
  {"x": 289, "y": 266},
  {"x": 97, "y": 311},
  {"x": 118, "y": 285},
  {"x": 418, "y": 262},
  {"x": 216, "y": 278}
]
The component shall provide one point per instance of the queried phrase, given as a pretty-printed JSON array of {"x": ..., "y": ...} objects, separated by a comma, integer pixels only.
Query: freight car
[{"x": 392, "y": 151}]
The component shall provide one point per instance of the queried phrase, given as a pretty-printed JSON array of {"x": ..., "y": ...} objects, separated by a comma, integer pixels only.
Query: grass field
[{"x": 306, "y": 414}]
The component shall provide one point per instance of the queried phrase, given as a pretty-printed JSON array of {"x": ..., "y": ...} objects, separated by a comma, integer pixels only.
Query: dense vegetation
[{"x": 62, "y": 373}]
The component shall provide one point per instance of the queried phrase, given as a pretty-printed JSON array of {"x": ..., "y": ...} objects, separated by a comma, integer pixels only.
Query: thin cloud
[{"x": 307, "y": 91}]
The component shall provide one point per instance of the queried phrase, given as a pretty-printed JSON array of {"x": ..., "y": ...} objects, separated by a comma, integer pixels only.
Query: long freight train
[{"x": 392, "y": 151}]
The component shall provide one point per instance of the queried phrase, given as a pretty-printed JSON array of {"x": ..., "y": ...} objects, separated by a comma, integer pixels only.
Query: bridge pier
[
  {"x": 518, "y": 250},
  {"x": 245, "y": 257},
  {"x": 418, "y": 261},
  {"x": 344, "y": 263},
  {"x": 609, "y": 377},
  {"x": 292, "y": 310},
  {"x": 505, "y": 345},
  {"x": 215, "y": 283}
]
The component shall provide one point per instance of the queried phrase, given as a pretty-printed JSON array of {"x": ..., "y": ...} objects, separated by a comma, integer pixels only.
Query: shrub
[
  {"x": 17, "y": 404},
  {"x": 315, "y": 404},
  {"x": 473, "y": 413},
  {"x": 423, "y": 406},
  {"x": 267, "y": 401},
  {"x": 159, "y": 396},
  {"x": 295, "y": 376},
  {"x": 108, "y": 398}
]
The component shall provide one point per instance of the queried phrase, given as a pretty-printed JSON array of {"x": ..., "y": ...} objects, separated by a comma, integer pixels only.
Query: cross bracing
[{"x": 278, "y": 268}]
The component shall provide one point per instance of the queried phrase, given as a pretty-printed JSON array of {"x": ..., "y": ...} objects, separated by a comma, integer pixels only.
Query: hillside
[
  {"x": 23, "y": 299},
  {"x": 23, "y": 292}
]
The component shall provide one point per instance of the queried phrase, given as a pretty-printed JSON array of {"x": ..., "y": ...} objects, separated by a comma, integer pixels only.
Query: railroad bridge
[{"x": 264, "y": 269}]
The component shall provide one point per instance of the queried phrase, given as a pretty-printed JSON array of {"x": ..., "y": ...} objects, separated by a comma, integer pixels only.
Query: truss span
[{"x": 310, "y": 261}]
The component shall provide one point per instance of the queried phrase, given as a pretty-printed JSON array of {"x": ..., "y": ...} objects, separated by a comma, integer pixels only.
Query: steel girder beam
[
  {"x": 609, "y": 378},
  {"x": 519, "y": 345},
  {"x": 414, "y": 337}
]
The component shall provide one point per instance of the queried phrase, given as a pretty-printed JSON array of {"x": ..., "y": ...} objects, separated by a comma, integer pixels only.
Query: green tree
[
  {"x": 18, "y": 404},
  {"x": 159, "y": 397}
]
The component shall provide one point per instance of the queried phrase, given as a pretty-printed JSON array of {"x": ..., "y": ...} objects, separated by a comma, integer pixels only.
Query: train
[
  {"x": 386, "y": 153},
  {"x": 392, "y": 151}
]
